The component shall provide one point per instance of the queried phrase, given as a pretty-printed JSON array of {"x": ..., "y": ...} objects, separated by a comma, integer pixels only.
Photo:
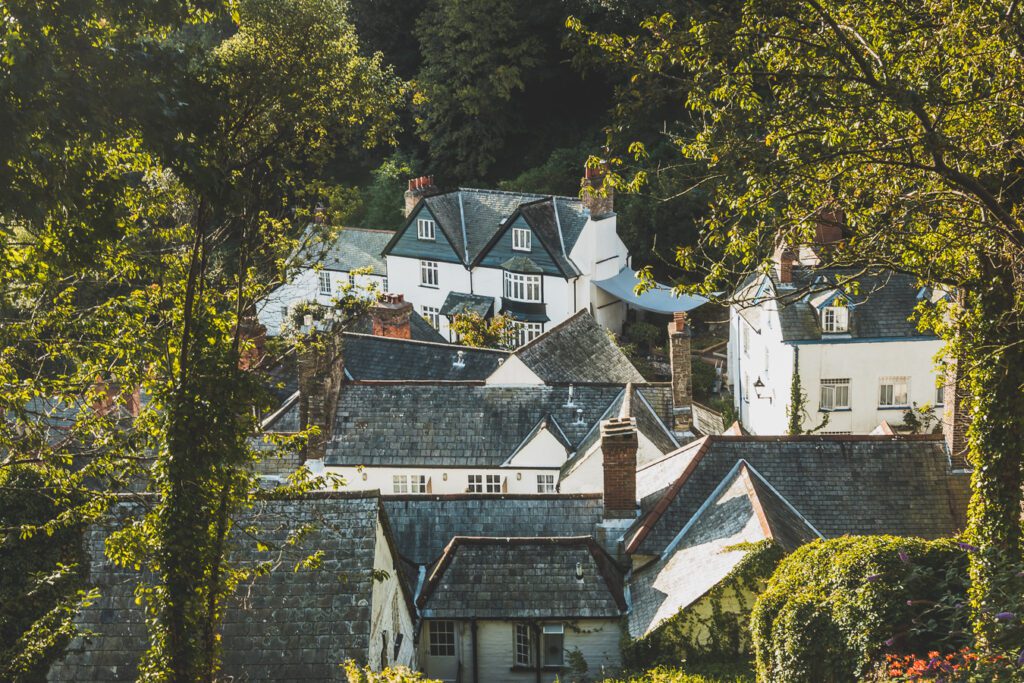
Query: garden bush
[{"x": 834, "y": 608}]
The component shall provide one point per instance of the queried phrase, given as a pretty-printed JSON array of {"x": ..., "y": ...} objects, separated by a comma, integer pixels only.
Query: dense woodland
[{"x": 158, "y": 161}]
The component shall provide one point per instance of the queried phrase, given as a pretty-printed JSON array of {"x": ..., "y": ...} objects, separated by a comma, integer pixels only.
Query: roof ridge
[
  {"x": 514, "y": 193},
  {"x": 457, "y": 347}
]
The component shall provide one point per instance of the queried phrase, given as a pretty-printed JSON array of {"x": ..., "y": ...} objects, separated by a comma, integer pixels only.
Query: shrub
[
  {"x": 394, "y": 674},
  {"x": 703, "y": 377},
  {"x": 833, "y": 607},
  {"x": 711, "y": 674}
]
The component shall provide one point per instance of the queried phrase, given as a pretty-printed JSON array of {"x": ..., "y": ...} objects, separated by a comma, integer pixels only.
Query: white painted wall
[
  {"x": 513, "y": 371},
  {"x": 447, "y": 480},
  {"x": 306, "y": 287},
  {"x": 864, "y": 363},
  {"x": 596, "y": 639},
  {"x": 588, "y": 474},
  {"x": 404, "y": 278},
  {"x": 389, "y": 612}
]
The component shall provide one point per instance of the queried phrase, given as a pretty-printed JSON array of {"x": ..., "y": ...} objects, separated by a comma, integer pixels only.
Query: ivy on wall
[{"x": 717, "y": 626}]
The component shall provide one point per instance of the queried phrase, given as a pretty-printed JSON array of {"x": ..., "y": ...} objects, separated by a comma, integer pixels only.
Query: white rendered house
[
  {"x": 860, "y": 358},
  {"x": 533, "y": 257},
  {"x": 321, "y": 279}
]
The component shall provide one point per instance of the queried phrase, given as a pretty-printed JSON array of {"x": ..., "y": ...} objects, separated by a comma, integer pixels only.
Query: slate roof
[
  {"x": 424, "y": 524},
  {"x": 454, "y": 425},
  {"x": 486, "y": 211},
  {"x": 368, "y": 357},
  {"x": 523, "y": 578},
  {"x": 286, "y": 626},
  {"x": 882, "y": 306},
  {"x": 540, "y": 215},
  {"x": 742, "y": 509},
  {"x": 354, "y": 248},
  {"x": 578, "y": 350},
  {"x": 840, "y": 484},
  {"x": 457, "y": 303}
]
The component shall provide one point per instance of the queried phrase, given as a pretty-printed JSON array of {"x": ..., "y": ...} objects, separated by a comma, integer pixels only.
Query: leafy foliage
[
  {"x": 698, "y": 674},
  {"x": 497, "y": 332},
  {"x": 834, "y": 607},
  {"x": 395, "y": 674}
]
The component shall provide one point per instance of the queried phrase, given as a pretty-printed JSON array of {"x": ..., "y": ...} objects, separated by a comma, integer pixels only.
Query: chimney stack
[
  {"x": 596, "y": 203},
  {"x": 418, "y": 188},
  {"x": 828, "y": 226},
  {"x": 682, "y": 371},
  {"x": 784, "y": 259},
  {"x": 321, "y": 367},
  {"x": 955, "y": 419},
  {"x": 618, "y": 450},
  {"x": 251, "y": 330},
  {"x": 390, "y": 315}
]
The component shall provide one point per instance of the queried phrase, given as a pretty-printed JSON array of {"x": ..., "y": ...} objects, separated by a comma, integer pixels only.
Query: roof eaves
[{"x": 648, "y": 521}]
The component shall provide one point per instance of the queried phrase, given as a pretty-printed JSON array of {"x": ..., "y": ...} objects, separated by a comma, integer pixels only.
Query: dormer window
[
  {"x": 425, "y": 229},
  {"x": 522, "y": 239},
  {"x": 835, "y": 317}
]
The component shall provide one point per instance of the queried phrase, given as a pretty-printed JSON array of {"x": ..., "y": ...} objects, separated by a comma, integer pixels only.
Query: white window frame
[
  {"x": 545, "y": 483},
  {"x": 835, "y": 319},
  {"x": 552, "y": 632},
  {"x": 522, "y": 239},
  {"x": 418, "y": 483},
  {"x": 492, "y": 483},
  {"x": 745, "y": 337},
  {"x": 400, "y": 483},
  {"x": 324, "y": 282},
  {"x": 426, "y": 229},
  {"x": 527, "y": 332},
  {"x": 940, "y": 392},
  {"x": 428, "y": 274},
  {"x": 525, "y": 287},
  {"x": 442, "y": 639},
  {"x": 475, "y": 483},
  {"x": 522, "y": 645},
  {"x": 834, "y": 394},
  {"x": 352, "y": 279},
  {"x": 432, "y": 315},
  {"x": 890, "y": 392}
]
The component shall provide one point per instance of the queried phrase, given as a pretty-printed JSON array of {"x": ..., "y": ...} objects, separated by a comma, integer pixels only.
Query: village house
[
  {"x": 848, "y": 338},
  {"x": 325, "y": 269},
  {"x": 407, "y": 416}
]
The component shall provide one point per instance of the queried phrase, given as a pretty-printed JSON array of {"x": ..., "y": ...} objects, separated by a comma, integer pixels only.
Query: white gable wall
[
  {"x": 389, "y": 612},
  {"x": 513, "y": 371},
  {"x": 540, "y": 451},
  {"x": 305, "y": 287}
]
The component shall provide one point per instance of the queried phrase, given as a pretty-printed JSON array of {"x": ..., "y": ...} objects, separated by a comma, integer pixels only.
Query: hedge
[{"x": 833, "y": 608}]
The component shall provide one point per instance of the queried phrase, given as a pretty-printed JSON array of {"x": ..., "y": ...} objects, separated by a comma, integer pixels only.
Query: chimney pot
[{"x": 391, "y": 315}]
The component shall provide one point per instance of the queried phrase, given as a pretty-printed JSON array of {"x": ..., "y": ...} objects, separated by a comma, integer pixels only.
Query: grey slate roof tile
[
  {"x": 523, "y": 578},
  {"x": 840, "y": 484},
  {"x": 354, "y": 248},
  {"x": 454, "y": 425},
  {"x": 578, "y": 350},
  {"x": 424, "y": 525},
  {"x": 368, "y": 357},
  {"x": 457, "y": 303},
  {"x": 288, "y": 625}
]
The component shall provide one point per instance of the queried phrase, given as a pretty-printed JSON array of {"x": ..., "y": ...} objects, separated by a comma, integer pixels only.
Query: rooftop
[
  {"x": 352, "y": 249},
  {"x": 369, "y": 357}
]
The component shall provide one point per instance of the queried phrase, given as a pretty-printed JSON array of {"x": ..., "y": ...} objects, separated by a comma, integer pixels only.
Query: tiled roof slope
[
  {"x": 424, "y": 525},
  {"x": 742, "y": 509},
  {"x": 523, "y": 578},
  {"x": 840, "y": 484},
  {"x": 351, "y": 249},
  {"x": 453, "y": 425},
  {"x": 487, "y": 210},
  {"x": 540, "y": 215},
  {"x": 287, "y": 626},
  {"x": 459, "y": 303},
  {"x": 882, "y": 306},
  {"x": 578, "y": 350},
  {"x": 368, "y": 357}
]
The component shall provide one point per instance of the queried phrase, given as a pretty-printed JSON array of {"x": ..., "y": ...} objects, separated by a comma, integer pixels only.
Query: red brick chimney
[
  {"x": 418, "y": 188},
  {"x": 596, "y": 203},
  {"x": 390, "y": 316},
  {"x": 784, "y": 259},
  {"x": 250, "y": 330},
  {"x": 828, "y": 226},
  {"x": 321, "y": 367},
  {"x": 682, "y": 371},
  {"x": 618, "y": 450}
]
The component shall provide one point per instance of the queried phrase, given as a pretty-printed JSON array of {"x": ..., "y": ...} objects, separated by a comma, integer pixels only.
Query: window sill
[
  {"x": 429, "y": 286},
  {"x": 523, "y": 251},
  {"x": 894, "y": 407},
  {"x": 547, "y": 667},
  {"x": 835, "y": 410}
]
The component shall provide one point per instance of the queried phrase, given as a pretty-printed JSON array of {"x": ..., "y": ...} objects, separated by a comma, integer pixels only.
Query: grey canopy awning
[
  {"x": 657, "y": 300},
  {"x": 457, "y": 303}
]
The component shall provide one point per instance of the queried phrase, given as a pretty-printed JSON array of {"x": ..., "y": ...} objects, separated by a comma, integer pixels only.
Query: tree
[
  {"x": 902, "y": 119},
  {"x": 475, "y": 55},
  {"x": 498, "y": 332},
  {"x": 208, "y": 120}
]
